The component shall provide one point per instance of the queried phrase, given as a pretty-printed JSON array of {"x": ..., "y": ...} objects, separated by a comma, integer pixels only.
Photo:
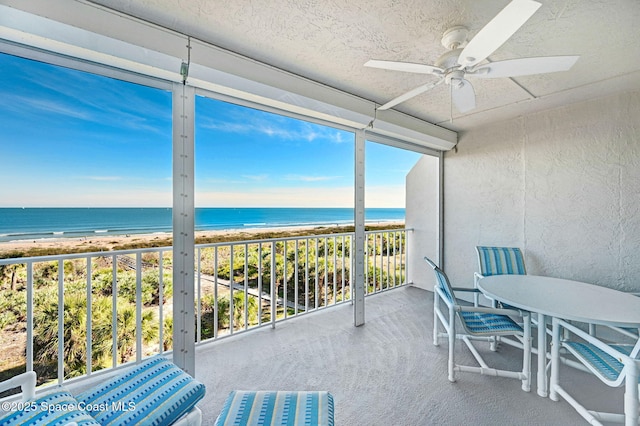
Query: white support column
[
  {"x": 358, "y": 308},
  {"x": 183, "y": 227}
]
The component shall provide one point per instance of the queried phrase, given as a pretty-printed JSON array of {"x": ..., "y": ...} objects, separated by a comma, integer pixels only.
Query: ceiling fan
[{"x": 454, "y": 66}]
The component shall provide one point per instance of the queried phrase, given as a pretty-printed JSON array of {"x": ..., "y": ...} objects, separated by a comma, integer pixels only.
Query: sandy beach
[{"x": 122, "y": 242}]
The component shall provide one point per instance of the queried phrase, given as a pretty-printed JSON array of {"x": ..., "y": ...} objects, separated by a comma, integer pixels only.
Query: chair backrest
[
  {"x": 500, "y": 261},
  {"x": 443, "y": 281}
]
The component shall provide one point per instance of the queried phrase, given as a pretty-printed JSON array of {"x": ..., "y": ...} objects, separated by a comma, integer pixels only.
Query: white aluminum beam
[
  {"x": 96, "y": 34},
  {"x": 183, "y": 228},
  {"x": 359, "y": 213}
]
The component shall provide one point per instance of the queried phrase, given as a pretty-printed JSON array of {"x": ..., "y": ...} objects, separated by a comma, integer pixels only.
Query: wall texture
[{"x": 562, "y": 184}]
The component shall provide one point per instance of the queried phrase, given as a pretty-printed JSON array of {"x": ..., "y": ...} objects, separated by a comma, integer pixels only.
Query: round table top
[{"x": 566, "y": 299}]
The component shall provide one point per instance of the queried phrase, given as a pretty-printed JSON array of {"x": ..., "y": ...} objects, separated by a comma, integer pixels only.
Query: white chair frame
[{"x": 629, "y": 376}]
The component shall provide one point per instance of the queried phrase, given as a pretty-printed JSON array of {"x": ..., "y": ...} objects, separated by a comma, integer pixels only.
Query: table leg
[
  {"x": 555, "y": 359},
  {"x": 543, "y": 387}
]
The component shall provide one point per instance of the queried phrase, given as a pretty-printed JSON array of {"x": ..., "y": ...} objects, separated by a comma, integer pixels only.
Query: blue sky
[{"x": 79, "y": 140}]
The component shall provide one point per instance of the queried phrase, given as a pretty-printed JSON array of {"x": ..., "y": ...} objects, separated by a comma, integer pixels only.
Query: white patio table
[{"x": 565, "y": 299}]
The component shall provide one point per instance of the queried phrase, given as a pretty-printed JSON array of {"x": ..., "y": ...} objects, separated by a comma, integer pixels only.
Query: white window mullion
[
  {"x": 183, "y": 227},
  {"x": 358, "y": 309}
]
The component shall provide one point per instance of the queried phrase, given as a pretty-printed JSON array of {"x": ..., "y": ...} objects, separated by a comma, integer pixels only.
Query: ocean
[{"x": 39, "y": 223}]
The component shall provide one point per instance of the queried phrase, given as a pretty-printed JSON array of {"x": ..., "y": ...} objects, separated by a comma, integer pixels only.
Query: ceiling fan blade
[
  {"x": 524, "y": 66},
  {"x": 497, "y": 31},
  {"x": 410, "y": 94},
  {"x": 404, "y": 66},
  {"x": 463, "y": 96}
]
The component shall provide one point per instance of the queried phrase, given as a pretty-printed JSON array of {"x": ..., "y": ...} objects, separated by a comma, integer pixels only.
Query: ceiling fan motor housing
[
  {"x": 454, "y": 37},
  {"x": 449, "y": 60}
]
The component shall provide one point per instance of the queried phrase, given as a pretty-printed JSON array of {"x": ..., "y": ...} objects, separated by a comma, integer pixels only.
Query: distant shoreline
[
  {"x": 44, "y": 224},
  {"x": 164, "y": 239}
]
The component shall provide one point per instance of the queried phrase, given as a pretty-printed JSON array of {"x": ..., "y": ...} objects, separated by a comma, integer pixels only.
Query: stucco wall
[
  {"x": 562, "y": 184},
  {"x": 422, "y": 215}
]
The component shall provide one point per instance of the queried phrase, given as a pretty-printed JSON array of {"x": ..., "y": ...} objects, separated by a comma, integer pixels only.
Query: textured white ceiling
[{"x": 329, "y": 41}]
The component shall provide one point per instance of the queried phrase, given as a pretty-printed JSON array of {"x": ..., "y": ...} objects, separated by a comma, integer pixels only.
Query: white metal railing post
[
  {"x": 406, "y": 257},
  {"x": 198, "y": 295},
  {"x": 388, "y": 260},
  {"x": 260, "y": 283},
  {"x": 29, "y": 353},
  {"x": 60, "y": 321},
  {"x": 326, "y": 270},
  {"x": 29, "y": 316},
  {"x": 316, "y": 296},
  {"x": 274, "y": 281},
  {"x": 215, "y": 292},
  {"x": 295, "y": 278},
  {"x": 246, "y": 287},
  {"x": 374, "y": 262},
  {"x": 231, "y": 285},
  {"x": 285, "y": 280},
  {"x": 395, "y": 257},
  {"x": 114, "y": 310},
  {"x": 306, "y": 277},
  {"x": 89, "y": 317},
  {"x": 161, "y": 301},
  {"x": 335, "y": 269},
  {"x": 138, "y": 306}
]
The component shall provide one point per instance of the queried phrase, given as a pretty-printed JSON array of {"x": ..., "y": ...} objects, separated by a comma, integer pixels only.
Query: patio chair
[
  {"x": 612, "y": 364},
  {"x": 154, "y": 392},
  {"x": 478, "y": 324},
  {"x": 498, "y": 261}
]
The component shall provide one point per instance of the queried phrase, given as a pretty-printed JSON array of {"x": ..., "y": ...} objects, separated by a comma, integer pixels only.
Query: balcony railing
[{"x": 69, "y": 316}]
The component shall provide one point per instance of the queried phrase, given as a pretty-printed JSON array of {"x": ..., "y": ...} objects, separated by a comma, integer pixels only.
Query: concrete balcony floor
[{"x": 387, "y": 372}]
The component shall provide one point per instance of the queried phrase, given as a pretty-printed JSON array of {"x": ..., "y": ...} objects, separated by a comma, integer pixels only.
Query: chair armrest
[
  {"x": 25, "y": 381},
  {"x": 624, "y": 358},
  {"x": 496, "y": 311},
  {"x": 468, "y": 290}
]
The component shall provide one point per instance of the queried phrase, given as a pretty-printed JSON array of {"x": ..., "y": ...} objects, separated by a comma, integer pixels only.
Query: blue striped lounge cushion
[
  {"x": 52, "y": 408},
  {"x": 251, "y": 408},
  {"x": 154, "y": 392}
]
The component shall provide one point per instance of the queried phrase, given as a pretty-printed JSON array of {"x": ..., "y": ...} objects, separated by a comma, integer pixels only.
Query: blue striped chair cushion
[
  {"x": 500, "y": 261},
  {"x": 53, "y": 408},
  {"x": 491, "y": 324},
  {"x": 608, "y": 366},
  {"x": 253, "y": 408},
  {"x": 154, "y": 392}
]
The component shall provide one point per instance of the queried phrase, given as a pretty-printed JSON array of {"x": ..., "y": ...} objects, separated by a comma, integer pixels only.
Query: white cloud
[{"x": 297, "y": 130}]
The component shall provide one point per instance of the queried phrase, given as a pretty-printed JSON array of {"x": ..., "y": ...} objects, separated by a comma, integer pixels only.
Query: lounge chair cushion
[
  {"x": 57, "y": 407},
  {"x": 155, "y": 392},
  {"x": 253, "y": 408}
]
